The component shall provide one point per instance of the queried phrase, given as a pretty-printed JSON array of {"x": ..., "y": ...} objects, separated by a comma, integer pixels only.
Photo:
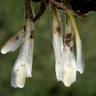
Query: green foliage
[{"x": 44, "y": 82}]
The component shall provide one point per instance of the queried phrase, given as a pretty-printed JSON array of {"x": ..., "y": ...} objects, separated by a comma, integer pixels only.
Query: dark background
[{"x": 44, "y": 82}]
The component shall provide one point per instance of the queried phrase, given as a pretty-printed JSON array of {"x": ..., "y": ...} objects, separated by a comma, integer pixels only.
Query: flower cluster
[{"x": 67, "y": 64}]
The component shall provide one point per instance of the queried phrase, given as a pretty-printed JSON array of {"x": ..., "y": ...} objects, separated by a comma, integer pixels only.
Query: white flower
[
  {"x": 79, "y": 58},
  {"x": 13, "y": 43},
  {"x": 23, "y": 65},
  {"x": 69, "y": 63},
  {"x": 57, "y": 43}
]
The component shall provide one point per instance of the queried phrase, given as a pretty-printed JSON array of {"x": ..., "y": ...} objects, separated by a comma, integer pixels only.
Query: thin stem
[
  {"x": 28, "y": 10},
  {"x": 41, "y": 10}
]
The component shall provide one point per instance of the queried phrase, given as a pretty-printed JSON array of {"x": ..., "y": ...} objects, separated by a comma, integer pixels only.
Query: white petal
[
  {"x": 28, "y": 51},
  {"x": 13, "y": 43},
  {"x": 19, "y": 69},
  {"x": 28, "y": 46},
  {"x": 18, "y": 76},
  {"x": 79, "y": 59},
  {"x": 58, "y": 50},
  {"x": 69, "y": 67}
]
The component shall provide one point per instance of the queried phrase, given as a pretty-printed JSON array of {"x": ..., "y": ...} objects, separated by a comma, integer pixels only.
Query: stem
[
  {"x": 28, "y": 10},
  {"x": 41, "y": 10}
]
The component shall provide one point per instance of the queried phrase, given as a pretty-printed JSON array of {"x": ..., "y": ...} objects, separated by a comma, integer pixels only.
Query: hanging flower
[
  {"x": 25, "y": 38},
  {"x": 79, "y": 55},
  {"x": 71, "y": 65},
  {"x": 57, "y": 43},
  {"x": 23, "y": 65},
  {"x": 69, "y": 57},
  {"x": 66, "y": 65}
]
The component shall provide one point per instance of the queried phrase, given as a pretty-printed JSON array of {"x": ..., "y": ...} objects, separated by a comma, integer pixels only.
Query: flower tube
[
  {"x": 57, "y": 43},
  {"x": 69, "y": 58},
  {"x": 79, "y": 58}
]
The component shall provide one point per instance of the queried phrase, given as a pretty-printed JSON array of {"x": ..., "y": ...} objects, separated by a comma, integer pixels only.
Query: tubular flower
[
  {"x": 69, "y": 57},
  {"x": 79, "y": 58},
  {"x": 70, "y": 64},
  {"x": 23, "y": 65},
  {"x": 57, "y": 43}
]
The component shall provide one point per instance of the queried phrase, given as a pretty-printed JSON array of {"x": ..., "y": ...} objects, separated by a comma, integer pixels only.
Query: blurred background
[{"x": 43, "y": 82}]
